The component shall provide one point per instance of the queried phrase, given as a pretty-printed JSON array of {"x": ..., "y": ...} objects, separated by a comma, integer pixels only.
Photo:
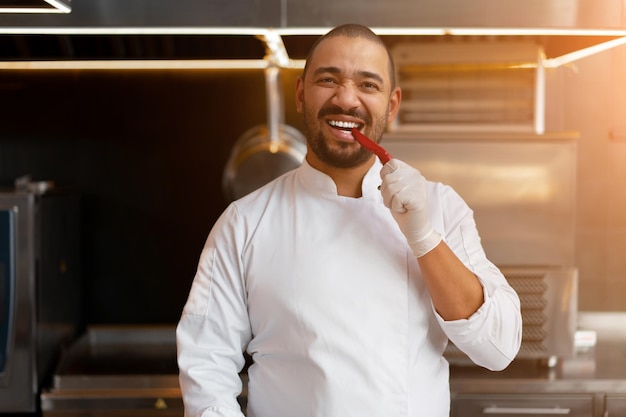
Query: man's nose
[{"x": 346, "y": 97}]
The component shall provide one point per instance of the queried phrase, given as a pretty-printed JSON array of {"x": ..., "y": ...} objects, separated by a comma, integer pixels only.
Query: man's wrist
[{"x": 426, "y": 244}]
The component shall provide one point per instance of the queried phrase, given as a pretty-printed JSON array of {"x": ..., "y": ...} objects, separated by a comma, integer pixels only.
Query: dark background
[{"x": 146, "y": 150}]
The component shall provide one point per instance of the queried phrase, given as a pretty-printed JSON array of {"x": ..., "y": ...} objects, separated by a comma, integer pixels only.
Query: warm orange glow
[{"x": 583, "y": 53}]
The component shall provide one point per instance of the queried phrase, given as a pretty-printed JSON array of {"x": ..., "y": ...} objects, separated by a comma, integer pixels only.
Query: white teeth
[{"x": 343, "y": 125}]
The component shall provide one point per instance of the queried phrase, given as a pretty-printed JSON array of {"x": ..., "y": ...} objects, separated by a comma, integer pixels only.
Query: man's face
[{"x": 347, "y": 85}]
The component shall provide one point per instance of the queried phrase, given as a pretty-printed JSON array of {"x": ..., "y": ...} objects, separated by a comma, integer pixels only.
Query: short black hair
[{"x": 352, "y": 30}]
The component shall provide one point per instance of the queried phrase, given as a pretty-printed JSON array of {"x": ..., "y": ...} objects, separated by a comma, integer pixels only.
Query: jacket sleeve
[
  {"x": 492, "y": 336},
  {"x": 214, "y": 328}
]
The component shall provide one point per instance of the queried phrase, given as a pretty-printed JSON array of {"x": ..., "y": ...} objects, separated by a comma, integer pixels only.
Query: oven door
[
  {"x": 18, "y": 384},
  {"x": 7, "y": 284}
]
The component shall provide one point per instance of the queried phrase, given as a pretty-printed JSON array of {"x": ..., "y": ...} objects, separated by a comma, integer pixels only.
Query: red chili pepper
[{"x": 371, "y": 146}]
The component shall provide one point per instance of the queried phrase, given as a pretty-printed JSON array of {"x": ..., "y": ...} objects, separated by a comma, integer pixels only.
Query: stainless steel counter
[
  {"x": 126, "y": 370},
  {"x": 117, "y": 371}
]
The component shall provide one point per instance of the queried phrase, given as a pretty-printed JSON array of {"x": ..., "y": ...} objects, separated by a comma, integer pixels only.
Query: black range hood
[{"x": 165, "y": 29}]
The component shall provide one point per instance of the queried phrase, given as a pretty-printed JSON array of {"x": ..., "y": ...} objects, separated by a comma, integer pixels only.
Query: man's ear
[
  {"x": 394, "y": 104},
  {"x": 299, "y": 93}
]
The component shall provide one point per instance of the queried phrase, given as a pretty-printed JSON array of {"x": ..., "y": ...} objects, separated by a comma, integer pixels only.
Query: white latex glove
[{"x": 405, "y": 194}]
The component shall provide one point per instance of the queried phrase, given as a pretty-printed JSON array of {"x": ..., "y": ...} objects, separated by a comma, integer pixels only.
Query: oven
[{"x": 40, "y": 292}]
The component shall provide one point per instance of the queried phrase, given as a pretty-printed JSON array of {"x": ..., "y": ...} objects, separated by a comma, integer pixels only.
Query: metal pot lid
[{"x": 256, "y": 159}]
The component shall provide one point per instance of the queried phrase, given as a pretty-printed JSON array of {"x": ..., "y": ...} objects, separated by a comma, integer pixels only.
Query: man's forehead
[
  {"x": 341, "y": 42},
  {"x": 337, "y": 48}
]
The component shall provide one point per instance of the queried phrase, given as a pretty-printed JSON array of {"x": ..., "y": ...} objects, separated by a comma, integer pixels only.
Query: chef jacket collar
[{"x": 324, "y": 184}]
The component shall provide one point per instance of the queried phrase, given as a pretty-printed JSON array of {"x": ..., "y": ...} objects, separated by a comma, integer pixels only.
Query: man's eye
[
  {"x": 370, "y": 86},
  {"x": 326, "y": 81}
]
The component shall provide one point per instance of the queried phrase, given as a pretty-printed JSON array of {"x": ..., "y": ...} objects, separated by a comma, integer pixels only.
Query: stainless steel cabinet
[
  {"x": 615, "y": 406},
  {"x": 522, "y": 405}
]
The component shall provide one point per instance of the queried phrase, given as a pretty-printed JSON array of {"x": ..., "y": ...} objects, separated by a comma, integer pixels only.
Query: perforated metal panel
[{"x": 531, "y": 287}]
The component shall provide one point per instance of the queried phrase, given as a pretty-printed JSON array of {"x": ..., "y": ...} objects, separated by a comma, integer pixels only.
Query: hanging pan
[{"x": 264, "y": 152}]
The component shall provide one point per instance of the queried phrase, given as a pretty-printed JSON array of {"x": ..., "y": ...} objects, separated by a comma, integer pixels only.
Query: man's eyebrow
[
  {"x": 335, "y": 71},
  {"x": 372, "y": 75},
  {"x": 325, "y": 70}
]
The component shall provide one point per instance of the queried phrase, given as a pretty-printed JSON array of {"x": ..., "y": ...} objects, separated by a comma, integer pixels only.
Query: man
[{"x": 343, "y": 279}]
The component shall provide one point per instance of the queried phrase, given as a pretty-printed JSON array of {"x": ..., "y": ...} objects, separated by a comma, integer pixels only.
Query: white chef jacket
[{"x": 324, "y": 293}]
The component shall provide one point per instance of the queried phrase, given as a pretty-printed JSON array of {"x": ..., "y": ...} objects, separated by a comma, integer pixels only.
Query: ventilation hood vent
[
  {"x": 484, "y": 85},
  {"x": 165, "y": 29}
]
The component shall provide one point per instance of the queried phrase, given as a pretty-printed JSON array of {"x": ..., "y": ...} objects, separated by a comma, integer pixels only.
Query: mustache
[{"x": 333, "y": 110}]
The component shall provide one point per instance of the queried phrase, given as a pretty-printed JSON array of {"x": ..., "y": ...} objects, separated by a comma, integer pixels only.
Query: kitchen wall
[
  {"x": 594, "y": 102},
  {"x": 146, "y": 150}
]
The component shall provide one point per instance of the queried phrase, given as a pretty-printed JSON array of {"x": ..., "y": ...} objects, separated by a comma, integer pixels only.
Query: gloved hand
[{"x": 405, "y": 194}]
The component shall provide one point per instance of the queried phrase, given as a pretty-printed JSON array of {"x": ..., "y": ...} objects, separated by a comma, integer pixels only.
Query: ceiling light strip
[
  {"x": 29, "y": 10},
  {"x": 145, "y": 64},
  {"x": 294, "y": 31},
  {"x": 584, "y": 53},
  {"x": 433, "y": 31},
  {"x": 56, "y": 6},
  {"x": 63, "y": 6},
  {"x": 133, "y": 31},
  {"x": 536, "y": 32}
]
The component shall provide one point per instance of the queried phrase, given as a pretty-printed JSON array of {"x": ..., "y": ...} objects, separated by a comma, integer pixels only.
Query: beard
[{"x": 340, "y": 155}]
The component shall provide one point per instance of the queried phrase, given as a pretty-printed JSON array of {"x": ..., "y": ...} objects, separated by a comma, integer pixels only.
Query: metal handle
[
  {"x": 276, "y": 56},
  {"x": 274, "y": 101},
  {"x": 525, "y": 410}
]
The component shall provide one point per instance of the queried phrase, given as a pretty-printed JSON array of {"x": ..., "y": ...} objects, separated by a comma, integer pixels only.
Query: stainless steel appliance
[
  {"x": 39, "y": 288},
  {"x": 522, "y": 190}
]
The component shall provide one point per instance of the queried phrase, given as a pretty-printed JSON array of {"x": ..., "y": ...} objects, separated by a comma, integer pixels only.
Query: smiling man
[
  {"x": 343, "y": 279},
  {"x": 340, "y": 91}
]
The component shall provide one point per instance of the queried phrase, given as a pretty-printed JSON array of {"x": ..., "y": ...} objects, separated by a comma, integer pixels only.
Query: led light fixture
[{"x": 35, "y": 6}]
